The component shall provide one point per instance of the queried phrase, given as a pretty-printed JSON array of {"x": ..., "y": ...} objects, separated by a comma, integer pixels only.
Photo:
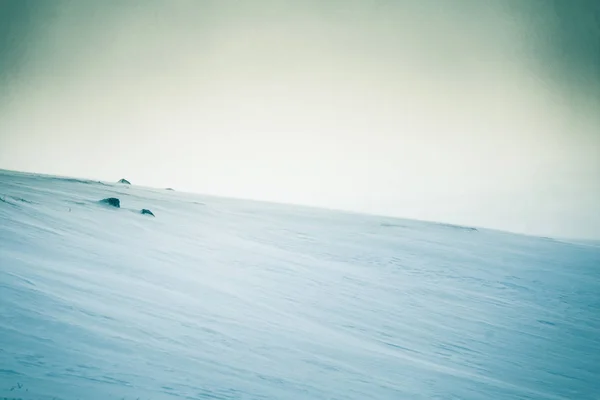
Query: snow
[{"x": 228, "y": 299}]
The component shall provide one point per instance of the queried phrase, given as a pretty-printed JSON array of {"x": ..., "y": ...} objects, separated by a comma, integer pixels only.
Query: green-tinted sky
[{"x": 467, "y": 111}]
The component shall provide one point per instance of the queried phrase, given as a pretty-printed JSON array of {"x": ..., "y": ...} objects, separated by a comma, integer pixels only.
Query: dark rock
[
  {"x": 145, "y": 211},
  {"x": 125, "y": 181},
  {"x": 111, "y": 201},
  {"x": 169, "y": 189}
]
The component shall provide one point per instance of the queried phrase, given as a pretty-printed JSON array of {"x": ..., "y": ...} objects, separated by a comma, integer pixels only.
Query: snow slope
[{"x": 227, "y": 299}]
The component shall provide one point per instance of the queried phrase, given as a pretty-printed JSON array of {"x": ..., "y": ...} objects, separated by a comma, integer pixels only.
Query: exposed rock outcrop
[
  {"x": 111, "y": 201},
  {"x": 124, "y": 181},
  {"x": 146, "y": 211}
]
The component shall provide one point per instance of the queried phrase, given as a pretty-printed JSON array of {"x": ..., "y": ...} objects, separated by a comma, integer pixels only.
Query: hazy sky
[{"x": 465, "y": 111}]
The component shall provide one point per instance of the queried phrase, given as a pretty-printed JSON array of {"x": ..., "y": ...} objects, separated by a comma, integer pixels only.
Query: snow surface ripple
[{"x": 229, "y": 299}]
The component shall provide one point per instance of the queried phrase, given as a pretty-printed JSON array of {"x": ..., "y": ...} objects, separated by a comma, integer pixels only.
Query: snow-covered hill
[{"x": 227, "y": 299}]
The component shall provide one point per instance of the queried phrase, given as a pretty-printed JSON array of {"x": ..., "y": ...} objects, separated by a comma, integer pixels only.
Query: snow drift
[{"x": 227, "y": 299}]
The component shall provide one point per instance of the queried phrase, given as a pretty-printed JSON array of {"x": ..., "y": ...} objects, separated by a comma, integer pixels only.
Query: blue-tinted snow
[{"x": 228, "y": 299}]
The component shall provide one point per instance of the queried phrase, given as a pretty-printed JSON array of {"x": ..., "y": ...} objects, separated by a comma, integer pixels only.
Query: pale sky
[{"x": 476, "y": 112}]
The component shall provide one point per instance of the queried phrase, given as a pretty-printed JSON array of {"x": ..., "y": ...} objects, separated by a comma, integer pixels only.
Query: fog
[{"x": 481, "y": 113}]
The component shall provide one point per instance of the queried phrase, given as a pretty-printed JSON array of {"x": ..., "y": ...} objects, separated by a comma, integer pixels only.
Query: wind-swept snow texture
[{"x": 228, "y": 299}]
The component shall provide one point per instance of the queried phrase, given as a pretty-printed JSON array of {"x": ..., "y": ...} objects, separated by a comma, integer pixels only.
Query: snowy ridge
[{"x": 229, "y": 299}]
